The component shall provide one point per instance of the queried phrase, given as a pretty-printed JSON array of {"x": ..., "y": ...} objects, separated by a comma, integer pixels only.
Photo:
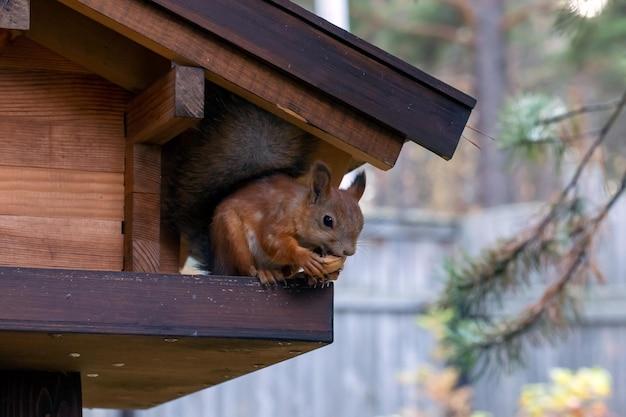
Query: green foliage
[
  {"x": 597, "y": 44},
  {"x": 477, "y": 331},
  {"x": 524, "y": 131}
]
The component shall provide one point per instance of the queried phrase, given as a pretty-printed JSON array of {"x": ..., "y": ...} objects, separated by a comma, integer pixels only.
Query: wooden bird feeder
[{"x": 93, "y": 311}]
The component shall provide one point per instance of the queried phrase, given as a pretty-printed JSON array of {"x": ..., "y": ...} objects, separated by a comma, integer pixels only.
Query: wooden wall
[{"x": 61, "y": 162}]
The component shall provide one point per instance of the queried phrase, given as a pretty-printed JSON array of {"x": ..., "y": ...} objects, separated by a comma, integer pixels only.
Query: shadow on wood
[{"x": 40, "y": 394}]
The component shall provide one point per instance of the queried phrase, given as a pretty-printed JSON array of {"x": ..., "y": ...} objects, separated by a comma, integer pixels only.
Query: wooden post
[
  {"x": 15, "y": 14},
  {"x": 142, "y": 197},
  {"x": 167, "y": 108},
  {"x": 40, "y": 394}
]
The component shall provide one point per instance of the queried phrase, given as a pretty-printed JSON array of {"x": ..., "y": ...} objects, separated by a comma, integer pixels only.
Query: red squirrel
[
  {"x": 232, "y": 193},
  {"x": 272, "y": 227}
]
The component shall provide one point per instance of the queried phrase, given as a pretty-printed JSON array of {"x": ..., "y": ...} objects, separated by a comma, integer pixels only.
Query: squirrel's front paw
[
  {"x": 270, "y": 277},
  {"x": 311, "y": 263}
]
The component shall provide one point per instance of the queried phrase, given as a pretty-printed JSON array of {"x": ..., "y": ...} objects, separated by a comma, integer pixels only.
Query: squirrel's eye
[{"x": 328, "y": 221}]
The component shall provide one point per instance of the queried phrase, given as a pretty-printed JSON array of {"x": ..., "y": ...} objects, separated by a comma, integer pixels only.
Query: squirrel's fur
[{"x": 236, "y": 150}]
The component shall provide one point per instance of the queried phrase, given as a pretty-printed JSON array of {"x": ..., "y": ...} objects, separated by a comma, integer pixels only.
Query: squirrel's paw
[
  {"x": 270, "y": 277},
  {"x": 311, "y": 263}
]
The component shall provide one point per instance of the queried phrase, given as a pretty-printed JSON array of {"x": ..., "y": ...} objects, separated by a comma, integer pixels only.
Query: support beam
[
  {"x": 40, "y": 394},
  {"x": 171, "y": 105},
  {"x": 15, "y": 14},
  {"x": 95, "y": 47}
]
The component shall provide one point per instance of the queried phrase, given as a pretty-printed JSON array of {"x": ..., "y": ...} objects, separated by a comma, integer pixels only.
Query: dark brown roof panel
[{"x": 418, "y": 106}]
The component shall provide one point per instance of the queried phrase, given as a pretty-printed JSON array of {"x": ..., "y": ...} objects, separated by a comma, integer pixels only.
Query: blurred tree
[{"x": 490, "y": 48}]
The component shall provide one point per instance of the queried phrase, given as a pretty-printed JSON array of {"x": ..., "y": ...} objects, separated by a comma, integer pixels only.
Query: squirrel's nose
[{"x": 348, "y": 252}]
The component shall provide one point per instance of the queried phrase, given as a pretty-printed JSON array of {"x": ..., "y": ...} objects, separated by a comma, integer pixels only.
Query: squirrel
[{"x": 233, "y": 193}]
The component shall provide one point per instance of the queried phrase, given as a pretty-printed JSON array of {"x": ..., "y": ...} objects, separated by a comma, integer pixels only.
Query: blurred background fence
[{"x": 395, "y": 273}]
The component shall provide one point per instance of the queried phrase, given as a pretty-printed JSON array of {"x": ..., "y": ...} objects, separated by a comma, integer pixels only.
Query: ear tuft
[
  {"x": 357, "y": 188},
  {"x": 320, "y": 181}
]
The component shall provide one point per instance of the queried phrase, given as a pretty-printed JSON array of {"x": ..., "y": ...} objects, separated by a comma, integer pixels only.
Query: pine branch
[
  {"x": 532, "y": 314},
  {"x": 509, "y": 264},
  {"x": 591, "y": 108}
]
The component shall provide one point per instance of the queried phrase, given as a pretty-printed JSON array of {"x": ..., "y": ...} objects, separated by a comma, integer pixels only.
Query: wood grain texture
[
  {"x": 141, "y": 232},
  {"x": 142, "y": 209},
  {"x": 25, "y": 54},
  {"x": 416, "y": 108},
  {"x": 97, "y": 48},
  {"x": 161, "y": 305},
  {"x": 143, "y": 169},
  {"x": 307, "y": 107},
  {"x": 372, "y": 51},
  {"x": 60, "y": 243},
  {"x": 41, "y": 192},
  {"x": 141, "y": 371},
  {"x": 173, "y": 334},
  {"x": 15, "y": 14},
  {"x": 60, "y": 144},
  {"x": 167, "y": 108},
  {"x": 61, "y": 120},
  {"x": 76, "y": 98},
  {"x": 40, "y": 394}
]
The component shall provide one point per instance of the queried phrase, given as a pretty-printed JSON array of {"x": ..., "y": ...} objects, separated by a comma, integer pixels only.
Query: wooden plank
[
  {"x": 95, "y": 47},
  {"x": 142, "y": 232},
  {"x": 415, "y": 108},
  {"x": 44, "y": 144},
  {"x": 167, "y": 108},
  {"x": 15, "y": 14},
  {"x": 373, "y": 51},
  {"x": 23, "y": 53},
  {"x": 76, "y": 98},
  {"x": 161, "y": 305},
  {"x": 61, "y": 193},
  {"x": 61, "y": 120},
  {"x": 142, "y": 209},
  {"x": 60, "y": 243},
  {"x": 149, "y": 337},
  {"x": 306, "y": 107},
  {"x": 143, "y": 169},
  {"x": 40, "y": 394}
]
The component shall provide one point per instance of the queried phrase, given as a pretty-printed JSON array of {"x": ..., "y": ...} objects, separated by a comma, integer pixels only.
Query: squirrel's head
[{"x": 332, "y": 218}]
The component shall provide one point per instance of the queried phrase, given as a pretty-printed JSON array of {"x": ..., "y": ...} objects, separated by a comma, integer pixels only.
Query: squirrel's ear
[
  {"x": 357, "y": 188},
  {"x": 320, "y": 181}
]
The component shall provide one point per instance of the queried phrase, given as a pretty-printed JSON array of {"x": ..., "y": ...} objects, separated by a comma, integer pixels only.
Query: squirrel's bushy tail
[{"x": 235, "y": 143}]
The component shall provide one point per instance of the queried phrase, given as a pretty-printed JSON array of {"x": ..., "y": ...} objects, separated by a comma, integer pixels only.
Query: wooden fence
[{"x": 396, "y": 271}]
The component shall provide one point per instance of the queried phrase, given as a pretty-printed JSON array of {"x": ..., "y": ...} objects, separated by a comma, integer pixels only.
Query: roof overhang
[{"x": 277, "y": 55}]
